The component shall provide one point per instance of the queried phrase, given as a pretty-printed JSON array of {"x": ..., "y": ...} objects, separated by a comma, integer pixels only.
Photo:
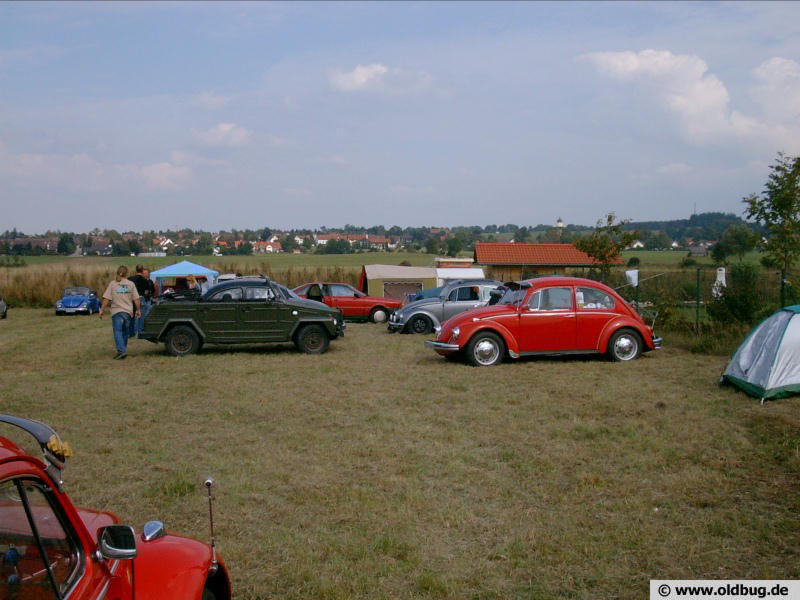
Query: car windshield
[
  {"x": 286, "y": 292},
  {"x": 513, "y": 296},
  {"x": 76, "y": 291}
]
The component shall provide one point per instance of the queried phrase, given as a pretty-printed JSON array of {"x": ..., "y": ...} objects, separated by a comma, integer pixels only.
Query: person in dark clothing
[{"x": 146, "y": 288}]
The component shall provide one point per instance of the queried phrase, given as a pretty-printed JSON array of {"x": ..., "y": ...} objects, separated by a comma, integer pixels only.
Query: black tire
[
  {"x": 182, "y": 340},
  {"x": 378, "y": 315},
  {"x": 312, "y": 339},
  {"x": 485, "y": 349},
  {"x": 624, "y": 345},
  {"x": 419, "y": 324},
  {"x": 208, "y": 595}
]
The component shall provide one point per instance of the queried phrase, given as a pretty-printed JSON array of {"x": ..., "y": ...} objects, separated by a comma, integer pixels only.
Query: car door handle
[{"x": 569, "y": 316}]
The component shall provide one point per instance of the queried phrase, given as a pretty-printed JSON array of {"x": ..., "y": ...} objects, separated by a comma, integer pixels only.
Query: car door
[
  {"x": 346, "y": 299},
  {"x": 595, "y": 309},
  {"x": 220, "y": 315},
  {"x": 465, "y": 297},
  {"x": 547, "y": 323},
  {"x": 258, "y": 315},
  {"x": 41, "y": 551}
]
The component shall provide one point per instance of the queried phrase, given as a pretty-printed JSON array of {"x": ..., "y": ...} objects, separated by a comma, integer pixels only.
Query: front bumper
[
  {"x": 441, "y": 347},
  {"x": 396, "y": 326},
  {"x": 657, "y": 341}
]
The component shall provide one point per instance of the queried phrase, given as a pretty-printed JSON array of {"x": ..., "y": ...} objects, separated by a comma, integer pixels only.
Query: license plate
[{"x": 70, "y": 310}]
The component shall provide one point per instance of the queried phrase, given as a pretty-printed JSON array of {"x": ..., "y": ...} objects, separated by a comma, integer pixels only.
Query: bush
[
  {"x": 688, "y": 262},
  {"x": 741, "y": 301}
]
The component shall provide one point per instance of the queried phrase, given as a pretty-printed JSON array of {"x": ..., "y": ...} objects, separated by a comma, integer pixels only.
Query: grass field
[{"x": 380, "y": 470}]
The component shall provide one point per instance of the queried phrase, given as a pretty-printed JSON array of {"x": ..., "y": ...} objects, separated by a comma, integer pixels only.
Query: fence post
[
  {"x": 783, "y": 288},
  {"x": 697, "y": 304}
]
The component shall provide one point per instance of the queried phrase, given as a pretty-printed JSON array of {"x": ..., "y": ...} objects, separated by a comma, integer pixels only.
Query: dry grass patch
[{"x": 379, "y": 470}]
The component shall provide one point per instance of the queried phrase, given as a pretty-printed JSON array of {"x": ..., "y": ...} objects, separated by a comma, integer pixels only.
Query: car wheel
[
  {"x": 313, "y": 339},
  {"x": 378, "y": 315},
  {"x": 182, "y": 340},
  {"x": 624, "y": 345},
  {"x": 420, "y": 324},
  {"x": 485, "y": 349}
]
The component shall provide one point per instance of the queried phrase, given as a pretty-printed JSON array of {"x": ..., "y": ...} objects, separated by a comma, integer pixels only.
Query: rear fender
[
  {"x": 624, "y": 323},
  {"x": 172, "y": 322}
]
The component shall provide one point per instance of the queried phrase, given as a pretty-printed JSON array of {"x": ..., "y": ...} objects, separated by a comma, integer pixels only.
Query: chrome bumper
[
  {"x": 441, "y": 346},
  {"x": 657, "y": 343},
  {"x": 396, "y": 326}
]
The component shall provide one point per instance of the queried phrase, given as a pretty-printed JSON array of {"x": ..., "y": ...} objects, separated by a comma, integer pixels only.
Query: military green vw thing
[{"x": 250, "y": 310}]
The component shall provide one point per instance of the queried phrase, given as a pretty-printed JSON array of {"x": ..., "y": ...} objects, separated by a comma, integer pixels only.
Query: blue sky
[{"x": 156, "y": 115}]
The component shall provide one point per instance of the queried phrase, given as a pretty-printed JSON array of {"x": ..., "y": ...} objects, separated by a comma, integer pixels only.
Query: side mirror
[{"x": 117, "y": 542}]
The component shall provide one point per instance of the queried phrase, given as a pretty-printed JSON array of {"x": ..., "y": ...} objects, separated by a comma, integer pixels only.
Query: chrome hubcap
[
  {"x": 379, "y": 316},
  {"x": 486, "y": 352},
  {"x": 625, "y": 347}
]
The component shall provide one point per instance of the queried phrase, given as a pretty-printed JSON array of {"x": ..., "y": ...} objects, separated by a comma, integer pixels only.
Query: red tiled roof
[{"x": 532, "y": 254}]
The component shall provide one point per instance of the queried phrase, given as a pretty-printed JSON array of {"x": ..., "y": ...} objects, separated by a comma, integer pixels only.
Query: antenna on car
[{"x": 210, "y": 483}]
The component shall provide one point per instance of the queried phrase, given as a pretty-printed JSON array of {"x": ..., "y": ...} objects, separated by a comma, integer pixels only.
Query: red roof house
[{"x": 511, "y": 262}]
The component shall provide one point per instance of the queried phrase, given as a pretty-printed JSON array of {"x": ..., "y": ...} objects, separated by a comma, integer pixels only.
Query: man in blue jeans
[
  {"x": 147, "y": 290},
  {"x": 122, "y": 297}
]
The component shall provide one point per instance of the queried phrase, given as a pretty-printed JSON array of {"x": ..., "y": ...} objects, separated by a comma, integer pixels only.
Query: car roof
[
  {"x": 471, "y": 281},
  {"x": 562, "y": 280}
]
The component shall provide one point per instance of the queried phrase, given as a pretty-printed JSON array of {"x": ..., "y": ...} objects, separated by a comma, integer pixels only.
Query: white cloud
[
  {"x": 167, "y": 176},
  {"x": 683, "y": 85},
  {"x": 778, "y": 89},
  {"x": 674, "y": 169},
  {"x": 82, "y": 172},
  {"x": 361, "y": 78},
  {"x": 178, "y": 157},
  {"x": 381, "y": 79},
  {"x": 209, "y": 101},
  {"x": 223, "y": 135}
]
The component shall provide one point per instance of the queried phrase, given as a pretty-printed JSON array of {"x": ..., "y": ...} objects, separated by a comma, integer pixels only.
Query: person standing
[
  {"x": 123, "y": 298},
  {"x": 146, "y": 289}
]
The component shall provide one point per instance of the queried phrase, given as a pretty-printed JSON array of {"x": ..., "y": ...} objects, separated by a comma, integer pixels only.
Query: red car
[
  {"x": 352, "y": 303},
  {"x": 52, "y": 549},
  {"x": 548, "y": 315}
]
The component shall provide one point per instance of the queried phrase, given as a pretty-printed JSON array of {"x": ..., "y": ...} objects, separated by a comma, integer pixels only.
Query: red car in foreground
[
  {"x": 50, "y": 549},
  {"x": 352, "y": 303},
  {"x": 548, "y": 315}
]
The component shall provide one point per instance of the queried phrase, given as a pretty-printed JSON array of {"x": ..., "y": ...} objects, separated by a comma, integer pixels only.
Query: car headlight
[
  {"x": 58, "y": 304},
  {"x": 456, "y": 333}
]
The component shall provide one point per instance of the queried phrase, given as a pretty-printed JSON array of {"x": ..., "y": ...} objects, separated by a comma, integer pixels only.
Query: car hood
[
  {"x": 73, "y": 301},
  {"x": 417, "y": 304}
]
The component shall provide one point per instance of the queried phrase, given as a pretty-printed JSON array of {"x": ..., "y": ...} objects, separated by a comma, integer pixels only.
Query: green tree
[
  {"x": 288, "y": 243},
  {"x": 66, "y": 245},
  {"x": 606, "y": 242},
  {"x": 738, "y": 240},
  {"x": 433, "y": 245},
  {"x": 454, "y": 246},
  {"x": 777, "y": 208}
]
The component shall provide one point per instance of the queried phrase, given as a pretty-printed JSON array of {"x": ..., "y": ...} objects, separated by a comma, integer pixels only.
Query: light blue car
[{"x": 78, "y": 299}]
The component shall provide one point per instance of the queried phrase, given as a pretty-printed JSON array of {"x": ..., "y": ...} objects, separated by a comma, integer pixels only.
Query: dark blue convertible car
[{"x": 78, "y": 299}]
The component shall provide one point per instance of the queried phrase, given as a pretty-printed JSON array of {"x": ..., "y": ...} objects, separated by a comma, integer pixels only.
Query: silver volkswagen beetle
[{"x": 422, "y": 316}]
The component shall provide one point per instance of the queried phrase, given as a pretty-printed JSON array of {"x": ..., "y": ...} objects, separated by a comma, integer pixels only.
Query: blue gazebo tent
[{"x": 183, "y": 269}]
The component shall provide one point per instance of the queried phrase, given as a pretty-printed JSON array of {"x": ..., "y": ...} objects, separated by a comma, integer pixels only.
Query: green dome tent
[{"x": 767, "y": 364}]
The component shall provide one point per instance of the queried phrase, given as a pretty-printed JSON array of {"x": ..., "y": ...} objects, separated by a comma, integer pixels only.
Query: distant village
[{"x": 695, "y": 235}]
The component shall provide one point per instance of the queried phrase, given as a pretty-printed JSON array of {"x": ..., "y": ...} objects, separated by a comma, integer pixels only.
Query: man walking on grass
[
  {"x": 146, "y": 290},
  {"x": 121, "y": 294}
]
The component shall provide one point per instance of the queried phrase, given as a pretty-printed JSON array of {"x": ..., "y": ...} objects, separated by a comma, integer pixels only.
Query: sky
[{"x": 140, "y": 116}]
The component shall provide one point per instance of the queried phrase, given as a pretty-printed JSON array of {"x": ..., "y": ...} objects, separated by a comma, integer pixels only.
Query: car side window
[
  {"x": 227, "y": 295},
  {"x": 485, "y": 291},
  {"x": 258, "y": 294},
  {"x": 556, "y": 299},
  {"x": 591, "y": 299},
  {"x": 467, "y": 293},
  {"x": 23, "y": 566},
  {"x": 301, "y": 291},
  {"x": 536, "y": 298},
  {"x": 341, "y": 291}
]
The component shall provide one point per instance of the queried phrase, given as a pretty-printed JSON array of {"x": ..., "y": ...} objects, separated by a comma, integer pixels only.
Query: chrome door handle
[{"x": 569, "y": 316}]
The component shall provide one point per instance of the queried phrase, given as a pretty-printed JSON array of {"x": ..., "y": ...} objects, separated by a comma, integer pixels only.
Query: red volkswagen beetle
[
  {"x": 352, "y": 303},
  {"x": 548, "y": 315},
  {"x": 50, "y": 549}
]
